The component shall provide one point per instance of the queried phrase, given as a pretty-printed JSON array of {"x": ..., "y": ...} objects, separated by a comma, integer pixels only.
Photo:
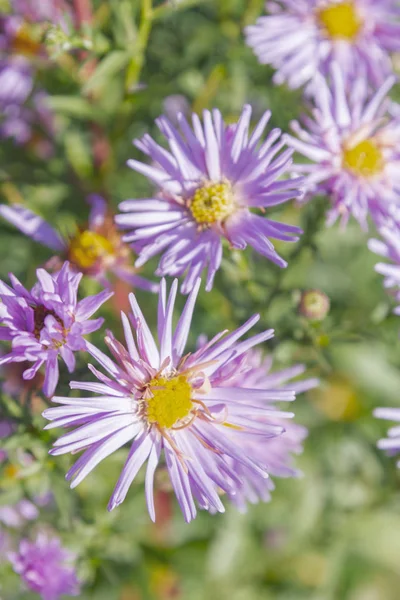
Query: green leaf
[{"x": 108, "y": 68}]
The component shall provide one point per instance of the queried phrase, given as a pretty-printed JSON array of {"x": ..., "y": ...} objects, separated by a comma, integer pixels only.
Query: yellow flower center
[
  {"x": 22, "y": 42},
  {"x": 365, "y": 159},
  {"x": 212, "y": 203},
  {"x": 87, "y": 247},
  {"x": 171, "y": 401},
  {"x": 340, "y": 20}
]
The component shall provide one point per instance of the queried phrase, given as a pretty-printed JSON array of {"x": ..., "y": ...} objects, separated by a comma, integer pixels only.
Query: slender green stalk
[{"x": 136, "y": 64}]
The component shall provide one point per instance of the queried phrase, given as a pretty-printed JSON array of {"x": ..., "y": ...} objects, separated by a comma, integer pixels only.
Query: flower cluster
[
  {"x": 352, "y": 141},
  {"x": 209, "y": 416},
  {"x": 46, "y": 567},
  {"x": 300, "y": 38}
]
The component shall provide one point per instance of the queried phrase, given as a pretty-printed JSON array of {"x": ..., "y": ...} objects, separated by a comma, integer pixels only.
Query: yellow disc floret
[
  {"x": 340, "y": 20},
  {"x": 212, "y": 203},
  {"x": 365, "y": 159},
  {"x": 23, "y": 43},
  {"x": 171, "y": 401},
  {"x": 88, "y": 247}
]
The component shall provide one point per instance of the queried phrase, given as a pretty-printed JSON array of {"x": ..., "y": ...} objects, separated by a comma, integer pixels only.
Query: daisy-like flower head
[
  {"x": 392, "y": 443},
  {"x": 47, "y": 322},
  {"x": 353, "y": 143},
  {"x": 301, "y": 37},
  {"x": 96, "y": 250},
  {"x": 46, "y": 567},
  {"x": 209, "y": 180},
  {"x": 389, "y": 247},
  {"x": 165, "y": 402},
  {"x": 253, "y": 370}
]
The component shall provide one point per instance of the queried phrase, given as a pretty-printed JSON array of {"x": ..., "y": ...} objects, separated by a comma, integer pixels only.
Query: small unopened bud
[{"x": 314, "y": 305}]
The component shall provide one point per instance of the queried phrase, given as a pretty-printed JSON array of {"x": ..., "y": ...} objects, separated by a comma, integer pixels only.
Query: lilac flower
[
  {"x": 95, "y": 250},
  {"x": 162, "y": 400},
  {"x": 44, "y": 567},
  {"x": 47, "y": 322},
  {"x": 15, "y": 83},
  {"x": 354, "y": 148},
  {"x": 174, "y": 105},
  {"x": 301, "y": 37},
  {"x": 45, "y": 10},
  {"x": 392, "y": 442},
  {"x": 389, "y": 247},
  {"x": 16, "y": 515},
  {"x": 253, "y": 371},
  {"x": 209, "y": 180}
]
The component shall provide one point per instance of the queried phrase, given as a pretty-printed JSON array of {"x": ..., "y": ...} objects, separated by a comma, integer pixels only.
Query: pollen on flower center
[
  {"x": 40, "y": 313},
  {"x": 170, "y": 402},
  {"x": 212, "y": 203},
  {"x": 364, "y": 159},
  {"x": 87, "y": 247},
  {"x": 340, "y": 20}
]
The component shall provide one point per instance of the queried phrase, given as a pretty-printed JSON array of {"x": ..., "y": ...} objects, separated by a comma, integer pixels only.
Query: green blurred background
[{"x": 331, "y": 535}]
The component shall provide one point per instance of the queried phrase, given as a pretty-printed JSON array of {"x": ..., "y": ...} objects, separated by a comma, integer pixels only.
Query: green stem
[{"x": 136, "y": 64}]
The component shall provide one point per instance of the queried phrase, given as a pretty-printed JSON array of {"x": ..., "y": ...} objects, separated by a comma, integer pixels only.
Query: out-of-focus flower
[
  {"x": 45, "y": 567},
  {"x": 389, "y": 247},
  {"x": 25, "y": 113},
  {"x": 47, "y": 322},
  {"x": 165, "y": 583},
  {"x": 16, "y": 515},
  {"x": 254, "y": 371},
  {"x": 17, "y": 38},
  {"x": 314, "y": 305},
  {"x": 392, "y": 442},
  {"x": 175, "y": 105},
  {"x": 44, "y": 10},
  {"x": 175, "y": 403},
  {"x": 353, "y": 144},
  {"x": 209, "y": 182},
  {"x": 301, "y": 37},
  {"x": 15, "y": 83},
  {"x": 95, "y": 250},
  {"x": 337, "y": 399}
]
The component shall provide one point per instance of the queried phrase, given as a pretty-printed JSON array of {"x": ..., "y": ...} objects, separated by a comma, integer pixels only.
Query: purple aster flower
[
  {"x": 47, "y": 322},
  {"x": 353, "y": 144},
  {"x": 209, "y": 180},
  {"x": 45, "y": 567},
  {"x": 95, "y": 250},
  {"x": 45, "y": 10},
  {"x": 389, "y": 247},
  {"x": 16, "y": 515},
  {"x": 15, "y": 82},
  {"x": 392, "y": 442},
  {"x": 163, "y": 401},
  {"x": 301, "y": 37},
  {"x": 252, "y": 370}
]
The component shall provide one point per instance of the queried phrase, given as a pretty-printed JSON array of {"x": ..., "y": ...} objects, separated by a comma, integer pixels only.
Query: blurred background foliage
[{"x": 333, "y": 534}]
